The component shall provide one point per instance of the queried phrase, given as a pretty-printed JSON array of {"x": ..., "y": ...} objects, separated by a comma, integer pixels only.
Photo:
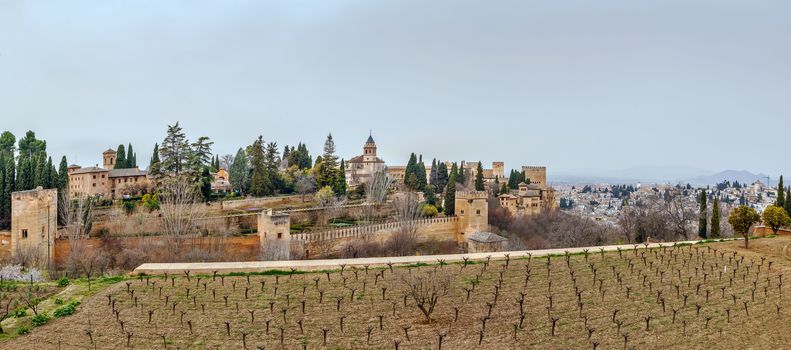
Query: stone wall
[
  {"x": 34, "y": 227},
  {"x": 257, "y": 203},
  {"x": 5, "y": 245}
]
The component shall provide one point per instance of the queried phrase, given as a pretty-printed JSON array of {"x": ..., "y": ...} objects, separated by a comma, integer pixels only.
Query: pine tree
[
  {"x": 174, "y": 150},
  {"x": 715, "y": 218},
  {"x": 703, "y": 219},
  {"x": 450, "y": 195},
  {"x": 120, "y": 157},
  {"x": 200, "y": 154},
  {"x": 328, "y": 167},
  {"x": 781, "y": 198},
  {"x": 479, "y": 178},
  {"x": 155, "y": 166}
]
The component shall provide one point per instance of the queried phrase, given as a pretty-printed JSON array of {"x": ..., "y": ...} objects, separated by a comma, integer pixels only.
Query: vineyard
[{"x": 687, "y": 296}]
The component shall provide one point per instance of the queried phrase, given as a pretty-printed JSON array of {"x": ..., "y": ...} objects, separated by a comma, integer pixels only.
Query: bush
[
  {"x": 67, "y": 309},
  {"x": 22, "y": 330},
  {"x": 19, "y": 313},
  {"x": 40, "y": 319},
  {"x": 129, "y": 207},
  {"x": 150, "y": 201},
  {"x": 429, "y": 211},
  {"x": 58, "y": 301},
  {"x": 63, "y": 282}
]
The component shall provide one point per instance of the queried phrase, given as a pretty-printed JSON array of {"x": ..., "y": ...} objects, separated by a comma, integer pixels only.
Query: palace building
[
  {"x": 362, "y": 168},
  {"x": 106, "y": 181}
]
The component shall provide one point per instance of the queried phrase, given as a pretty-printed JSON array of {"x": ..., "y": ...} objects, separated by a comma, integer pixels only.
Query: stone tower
[
  {"x": 537, "y": 175},
  {"x": 34, "y": 216},
  {"x": 274, "y": 234},
  {"x": 498, "y": 170},
  {"x": 473, "y": 212},
  {"x": 369, "y": 150},
  {"x": 109, "y": 159}
]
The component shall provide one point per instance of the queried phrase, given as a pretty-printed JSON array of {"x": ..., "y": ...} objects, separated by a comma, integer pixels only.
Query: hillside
[{"x": 672, "y": 297}]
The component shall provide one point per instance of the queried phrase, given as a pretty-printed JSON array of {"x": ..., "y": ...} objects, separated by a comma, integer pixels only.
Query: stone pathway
[{"x": 307, "y": 265}]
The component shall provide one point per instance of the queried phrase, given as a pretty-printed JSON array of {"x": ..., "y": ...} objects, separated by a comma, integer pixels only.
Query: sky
[{"x": 582, "y": 87}]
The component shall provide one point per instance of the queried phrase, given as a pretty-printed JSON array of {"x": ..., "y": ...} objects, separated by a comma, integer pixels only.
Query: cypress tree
[
  {"x": 63, "y": 174},
  {"x": 155, "y": 166},
  {"x": 238, "y": 172},
  {"x": 788, "y": 202},
  {"x": 131, "y": 157},
  {"x": 120, "y": 157},
  {"x": 479, "y": 178},
  {"x": 450, "y": 195},
  {"x": 40, "y": 172},
  {"x": 9, "y": 186},
  {"x": 49, "y": 177},
  {"x": 442, "y": 177},
  {"x": 420, "y": 170},
  {"x": 715, "y": 218},
  {"x": 432, "y": 176},
  {"x": 340, "y": 180},
  {"x": 504, "y": 189},
  {"x": 781, "y": 198},
  {"x": 410, "y": 173},
  {"x": 460, "y": 173},
  {"x": 703, "y": 215}
]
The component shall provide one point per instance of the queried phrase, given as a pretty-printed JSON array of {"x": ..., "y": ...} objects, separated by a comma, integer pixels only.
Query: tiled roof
[
  {"x": 127, "y": 172},
  {"x": 90, "y": 169},
  {"x": 359, "y": 159}
]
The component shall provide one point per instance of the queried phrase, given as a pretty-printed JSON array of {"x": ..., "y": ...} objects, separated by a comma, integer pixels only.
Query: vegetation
[
  {"x": 741, "y": 219},
  {"x": 775, "y": 217}
]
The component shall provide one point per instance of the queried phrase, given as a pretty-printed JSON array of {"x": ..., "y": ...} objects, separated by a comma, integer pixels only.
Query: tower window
[
  {"x": 279, "y": 235},
  {"x": 24, "y": 233}
]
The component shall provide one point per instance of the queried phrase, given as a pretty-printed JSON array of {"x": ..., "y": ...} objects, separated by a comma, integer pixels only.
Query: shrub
[
  {"x": 19, "y": 313},
  {"x": 22, "y": 330},
  {"x": 58, "y": 301},
  {"x": 129, "y": 207},
  {"x": 40, "y": 319},
  {"x": 150, "y": 201},
  {"x": 67, "y": 309},
  {"x": 63, "y": 282},
  {"x": 430, "y": 211}
]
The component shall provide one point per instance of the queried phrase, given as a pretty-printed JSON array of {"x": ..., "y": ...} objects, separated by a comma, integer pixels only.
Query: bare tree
[
  {"x": 226, "y": 161},
  {"x": 305, "y": 184},
  {"x": 76, "y": 214},
  {"x": 426, "y": 289},
  {"x": 181, "y": 209},
  {"x": 404, "y": 240}
]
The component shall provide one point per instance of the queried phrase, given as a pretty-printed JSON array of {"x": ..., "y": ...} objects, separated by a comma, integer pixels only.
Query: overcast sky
[{"x": 579, "y": 86}]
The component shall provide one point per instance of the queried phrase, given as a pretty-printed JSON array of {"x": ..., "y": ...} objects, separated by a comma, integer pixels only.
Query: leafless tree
[
  {"x": 76, "y": 214},
  {"x": 305, "y": 184},
  {"x": 403, "y": 241},
  {"x": 181, "y": 208},
  {"x": 226, "y": 161},
  {"x": 427, "y": 288}
]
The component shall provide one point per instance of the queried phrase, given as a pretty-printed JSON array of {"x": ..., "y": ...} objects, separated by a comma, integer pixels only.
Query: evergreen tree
[
  {"x": 442, "y": 177},
  {"x": 340, "y": 180},
  {"x": 479, "y": 178},
  {"x": 7, "y": 143},
  {"x": 200, "y": 155},
  {"x": 420, "y": 170},
  {"x": 5, "y": 195},
  {"x": 328, "y": 167},
  {"x": 174, "y": 150},
  {"x": 715, "y": 218},
  {"x": 703, "y": 215},
  {"x": 239, "y": 171},
  {"x": 512, "y": 180},
  {"x": 781, "y": 198},
  {"x": 504, "y": 189},
  {"x": 40, "y": 170},
  {"x": 131, "y": 157},
  {"x": 24, "y": 178},
  {"x": 63, "y": 174},
  {"x": 155, "y": 165},
  {"x": 272, "y": 159},
  {"x": 260, "y": 181},
  {"x": 120, "y": 157},
  {"x": 205, "y": 184},
  {"x": 788, "y": 202},
  {"x": 432, "y": 176},
  {"x": 410, "y": 173},
  {"x": 48, "y": 178},
  {"x": 461, "y": 173},
  {"x": 30, "y": 145},
  {"x": 450, "y": 194}
]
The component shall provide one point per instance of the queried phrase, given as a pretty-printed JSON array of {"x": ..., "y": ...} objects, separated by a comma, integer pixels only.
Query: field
[{"x": 686, "y": 297}]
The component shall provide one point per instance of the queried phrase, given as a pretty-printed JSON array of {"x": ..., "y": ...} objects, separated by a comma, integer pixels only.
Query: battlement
[
  {"x": 471, "y": 195},
  {"x": 534, "y": 167}
]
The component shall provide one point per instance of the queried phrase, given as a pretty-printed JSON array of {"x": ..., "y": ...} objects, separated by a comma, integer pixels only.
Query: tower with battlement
[
  {"x": 274, "y": 234},
  {"x": 537, "y": 175},
  {"x": 472, "y": 210}
]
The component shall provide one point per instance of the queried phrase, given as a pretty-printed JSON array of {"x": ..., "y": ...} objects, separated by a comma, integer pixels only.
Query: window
[
  {"x": 94, "y": 184},
  {"x": 478, "y": 212},
  {"x": 279, "y": 235},
  {"x": 24, "y": 233},
  {"x": 94, "y": 177},
  {"x": 102, "y": 176},
  {"x": 462, "y": 212}
]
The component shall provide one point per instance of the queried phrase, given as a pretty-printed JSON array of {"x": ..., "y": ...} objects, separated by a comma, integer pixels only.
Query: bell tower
[
  {"x": 369, "y": 150},
  {"x": 109, "y": 159}
]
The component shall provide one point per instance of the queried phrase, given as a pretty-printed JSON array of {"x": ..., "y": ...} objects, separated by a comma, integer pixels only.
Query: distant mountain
[{"x": 743, "y": 176}]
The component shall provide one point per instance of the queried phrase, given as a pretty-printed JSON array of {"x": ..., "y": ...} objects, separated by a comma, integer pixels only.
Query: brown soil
[{"x": 644, "y": 272}]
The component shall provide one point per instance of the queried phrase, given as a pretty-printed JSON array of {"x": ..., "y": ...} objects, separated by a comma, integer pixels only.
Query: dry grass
[{"x": 645, "y": 273}]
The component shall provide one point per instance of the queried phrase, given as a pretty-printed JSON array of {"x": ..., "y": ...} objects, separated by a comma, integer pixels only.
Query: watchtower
[
  {"x": 498, "y": 170},
  {"x": 34, "y": 216},
  {"x": 473, "y": 212},
  {"x": 537, "y": 175},
  {"x": 274, "y": 234}
]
